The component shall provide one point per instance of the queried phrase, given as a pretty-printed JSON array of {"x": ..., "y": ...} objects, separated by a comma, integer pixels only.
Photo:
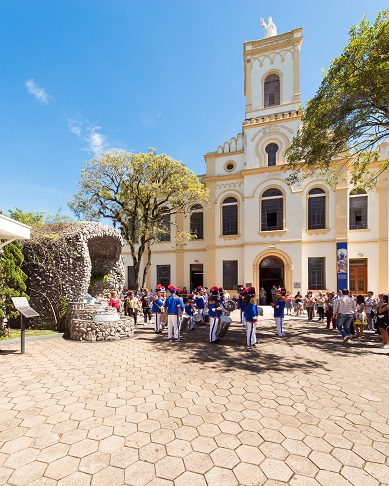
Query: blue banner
[{"x": 342, "y": 265}]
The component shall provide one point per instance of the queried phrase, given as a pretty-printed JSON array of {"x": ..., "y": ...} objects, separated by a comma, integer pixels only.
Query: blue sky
[{"x": 82, "y": 76}]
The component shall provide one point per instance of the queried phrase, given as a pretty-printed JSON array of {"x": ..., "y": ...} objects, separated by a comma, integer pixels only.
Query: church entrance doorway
[{"x": 271, "y": 272}]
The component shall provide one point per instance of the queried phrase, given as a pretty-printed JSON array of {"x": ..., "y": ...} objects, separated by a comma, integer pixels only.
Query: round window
[{"x": 229, "y": 166}]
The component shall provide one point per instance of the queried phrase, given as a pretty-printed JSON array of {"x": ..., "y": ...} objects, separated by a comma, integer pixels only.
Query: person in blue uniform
[
  {"x": 214, "y": 315},
  {"x": 200, "y": 301},
  {"x": 251, "y": 316},
  {"x": 279, "y": 313},
  {"x": 157, "y": 307},
  {"x": 174, "y": 307},
  {"x": 242, "y": 293},
  {"x": 189, "y": 311}
]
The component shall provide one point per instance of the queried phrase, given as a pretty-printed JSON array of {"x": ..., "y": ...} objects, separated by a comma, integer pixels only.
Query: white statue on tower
[{"x": 270, "y": 28}]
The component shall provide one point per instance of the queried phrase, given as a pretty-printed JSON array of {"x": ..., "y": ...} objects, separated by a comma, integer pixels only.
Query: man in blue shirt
[{"x": 279, "y": 313}]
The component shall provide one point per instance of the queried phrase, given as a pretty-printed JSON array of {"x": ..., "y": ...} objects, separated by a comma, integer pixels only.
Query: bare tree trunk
[{"x": 147, "y": 266}]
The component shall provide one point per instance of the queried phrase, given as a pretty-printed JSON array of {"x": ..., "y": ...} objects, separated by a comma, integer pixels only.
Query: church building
[{"x": 258, "y": 229}]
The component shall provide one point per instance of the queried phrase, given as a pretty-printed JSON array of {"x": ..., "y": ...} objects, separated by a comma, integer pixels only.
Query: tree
[
  {"x": 349, "y": 115},
  {"x": 12, "y": 278},
  {"x": 138, "y": 193}
]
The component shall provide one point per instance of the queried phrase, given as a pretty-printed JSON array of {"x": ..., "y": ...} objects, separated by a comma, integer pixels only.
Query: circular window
[{"x": 229, "y": 166}]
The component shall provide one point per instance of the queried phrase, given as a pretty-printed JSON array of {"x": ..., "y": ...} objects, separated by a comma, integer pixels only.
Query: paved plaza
[{"x": 305, "y": 410}]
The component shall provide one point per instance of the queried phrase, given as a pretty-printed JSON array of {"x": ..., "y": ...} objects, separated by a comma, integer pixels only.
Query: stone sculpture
[{"x": 270, "y": 28}]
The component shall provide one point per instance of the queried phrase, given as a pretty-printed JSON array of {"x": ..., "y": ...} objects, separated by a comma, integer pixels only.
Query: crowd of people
[{"x": 350, "y": 314}]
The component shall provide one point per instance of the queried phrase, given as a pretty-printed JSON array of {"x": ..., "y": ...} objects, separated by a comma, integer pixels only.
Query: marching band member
[
  {"x": 251, "y": 316},
  {"x": 157, "y": 307},
  {"x": 214, "y": 315},
  {"x": 200, "y": 301},
  {"x": 174, "y": 307},
  {"x": 242, "y": 306},
  {"x": 189, "y": 311}
]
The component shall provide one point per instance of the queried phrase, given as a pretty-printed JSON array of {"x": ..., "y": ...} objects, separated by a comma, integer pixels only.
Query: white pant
[
  {"x": 157, "y": 321},
  {"x": 251, "y": 329},
  {"x": 173, "y": 323},
  {"x": 213, "y": 325},
  {"x": 280, "y": 325},
  {"x": 190, "y": 323}
]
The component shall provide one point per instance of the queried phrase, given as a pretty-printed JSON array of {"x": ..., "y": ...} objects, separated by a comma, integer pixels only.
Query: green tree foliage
[
  {"x": 30, "y": 218},
  {"x": 138, "y": 192},
  {"x": 12, "y": 278},
  {"x": 349, "y": 115}
]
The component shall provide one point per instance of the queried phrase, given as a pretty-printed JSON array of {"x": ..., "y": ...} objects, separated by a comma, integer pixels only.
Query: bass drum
[
  {"x": 229, "y": 305},
  {"x": 224, "y": 324}
]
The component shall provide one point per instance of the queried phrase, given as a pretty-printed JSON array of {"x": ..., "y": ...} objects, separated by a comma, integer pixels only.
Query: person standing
[
  {"x": 279, "y": 314},
  {"x": 383, "y": 320},
  {"x": 200, "y": 301},
  {"x": 360, "y": 318},
  {"x": 329, "y": 306},
  {"x": 114, "y": 301},
  {"x": 251, "y": 315},
  {"x": 309, "y": 302},
  {"x": 288, "y": 303},
  {"x": 273, "y": 292},
  {"x": 370, "y": 309},
  {"x": 132, "y": 306},
  {"x": 174, "y": 306},
  {"x": 262, "y": 296},
  {"x": 189, "y": 311},
  {"x": 157, "y": 307},
  {"x": 320, "y": 301},
  {"x": 146, "y": 301},
  {"x": 214, "y": 315},
  {"x": 345, "y": 310}
]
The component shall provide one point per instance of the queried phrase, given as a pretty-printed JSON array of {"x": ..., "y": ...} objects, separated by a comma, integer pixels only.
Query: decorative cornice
[{"x": 229, "y": 185}]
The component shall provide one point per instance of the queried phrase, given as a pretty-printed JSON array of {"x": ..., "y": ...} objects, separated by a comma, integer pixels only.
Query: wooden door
[{"x": 358, "y": 276}]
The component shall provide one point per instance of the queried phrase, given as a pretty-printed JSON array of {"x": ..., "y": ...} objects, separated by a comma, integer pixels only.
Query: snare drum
[
  {"x": 163, "y": 317},
  {"x": 184, "y": 322},
  {"x": 197, "y": 318},
  {"x": 206, "y": 316},
  {"x": 229, "y": 305},
  {"x": 260, "y": 310}
]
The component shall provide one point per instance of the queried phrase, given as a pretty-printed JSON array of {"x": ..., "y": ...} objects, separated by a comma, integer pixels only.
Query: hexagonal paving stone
[
  {"x": 198, "y": 462},
  {"x": 152, "y": 452},
  {"x": 124, "y": 457},
  {"x": 249, "y": 474},
  {"x": 94, "y": 462},
  {"x": 84, "y": 448},
  {"x": 277, "y": 470},
  {"x": 229, "y": 441},
  {"x": 53, "y": 452},
  {"x": 190, "y": 478},
  {"x": 179, "y": 448},
  {"x": 250, "y": 454},
  {"x": 224, "y": 458},
  {"x": 169, "y": 467},
  {"x": 302, "y": 465},
  {"x": 218, "y": 476}
]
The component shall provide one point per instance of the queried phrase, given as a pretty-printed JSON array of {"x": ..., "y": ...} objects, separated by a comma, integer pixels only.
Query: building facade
[{"x": 260, "y": 230}]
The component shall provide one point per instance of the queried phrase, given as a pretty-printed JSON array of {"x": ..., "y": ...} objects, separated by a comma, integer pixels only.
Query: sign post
[{"x": 22, "y": 305}]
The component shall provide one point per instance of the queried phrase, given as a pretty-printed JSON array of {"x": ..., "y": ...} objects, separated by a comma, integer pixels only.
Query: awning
[{"x": 11, "y": 230}]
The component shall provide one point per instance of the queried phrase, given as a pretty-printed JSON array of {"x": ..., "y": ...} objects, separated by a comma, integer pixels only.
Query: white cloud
[
  {"x": 96, "y": 142},
  {"x": 39, "y": 93}
]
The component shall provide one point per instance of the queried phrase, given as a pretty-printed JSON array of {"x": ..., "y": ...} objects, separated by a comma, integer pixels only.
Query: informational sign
[
  {"x": 342, "y": 265},
  {"x": 22, "y": 305},
  {"x": 297, "y": 285}
]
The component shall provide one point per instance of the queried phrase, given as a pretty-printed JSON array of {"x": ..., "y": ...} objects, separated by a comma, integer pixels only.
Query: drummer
[
  {"x": 157, "y": 307},
  {"x": 189, "y": 311},
  {"x": 251, "y": 316},
  {"x": 214, "y": 315},
  {"x": 222, "y": 297}
]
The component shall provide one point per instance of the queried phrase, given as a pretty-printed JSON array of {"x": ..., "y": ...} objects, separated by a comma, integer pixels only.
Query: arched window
[
  {"x": 271, "y": 149},
  {"x": 316, "y": 209},
  {"x": 230, "y": 216},
  {"x": 358, "y": 209},
  {"x": 272, "y": 210},
  {"x": 165, "y": 234},
  {"x": 197, "y": 221},
  {"x": 272, "y": 90}
]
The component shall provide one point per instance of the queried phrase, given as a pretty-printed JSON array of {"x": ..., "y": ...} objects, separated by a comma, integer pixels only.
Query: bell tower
[{"x": 272, "y": 72}]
